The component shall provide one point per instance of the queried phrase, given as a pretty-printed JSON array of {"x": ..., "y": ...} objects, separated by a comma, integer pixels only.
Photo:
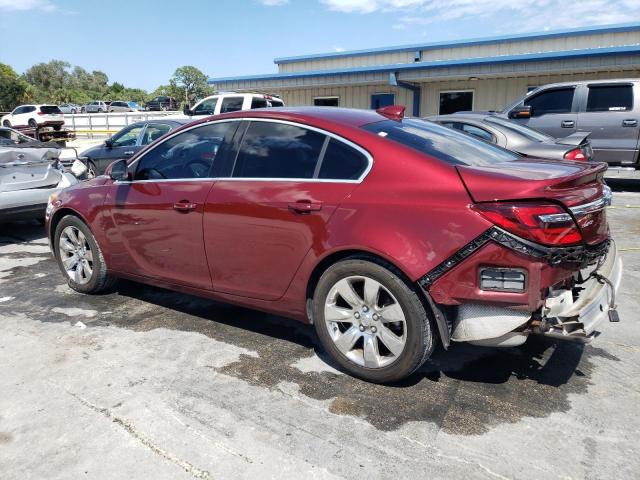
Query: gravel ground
[{"x": 146, "y": 383}]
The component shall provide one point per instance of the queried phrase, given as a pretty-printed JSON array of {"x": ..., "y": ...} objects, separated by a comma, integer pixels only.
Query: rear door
[
  {"x": 158, "y": 215},
  {"x": 607, "y": 111},
  {"x": 286, "y": 182},
  {"x": 554, "y": 111}
]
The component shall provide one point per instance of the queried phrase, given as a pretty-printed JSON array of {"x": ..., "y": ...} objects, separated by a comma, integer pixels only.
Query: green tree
[
  {"x": 49, "y": 76},
  {"x": 13, "y": 89},
  {"x": 189, "y": 84}
]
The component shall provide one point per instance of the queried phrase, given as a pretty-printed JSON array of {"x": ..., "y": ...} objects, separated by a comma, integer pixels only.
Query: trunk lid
[
  {"x": 578, "y": 186},
  {"x": 27, "y": 168}
]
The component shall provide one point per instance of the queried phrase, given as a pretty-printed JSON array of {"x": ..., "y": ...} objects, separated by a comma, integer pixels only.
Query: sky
[{"x": 140, "y": 43}]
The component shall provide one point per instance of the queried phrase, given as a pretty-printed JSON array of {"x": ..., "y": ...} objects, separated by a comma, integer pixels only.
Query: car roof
[
  {"x": 588, "y": 82},
  {"x": 350, "y": 117}
]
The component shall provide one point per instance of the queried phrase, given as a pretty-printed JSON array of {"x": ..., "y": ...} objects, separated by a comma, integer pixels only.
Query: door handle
[
  {"x": 630, "y": 123},
  {"x": 130, "y": 152},
  {"x": 184, "y": 206},
  {"x": 304, "y": 206},
  {"x": 567, "y": 124}
]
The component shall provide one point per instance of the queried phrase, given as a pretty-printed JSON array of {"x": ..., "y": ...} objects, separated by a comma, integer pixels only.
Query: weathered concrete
[{"x": 145, "y": 383}]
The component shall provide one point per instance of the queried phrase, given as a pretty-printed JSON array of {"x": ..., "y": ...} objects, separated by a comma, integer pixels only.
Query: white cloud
[
  {"x": 519, "y": 15},
  {"x": 274, "y": 3},
  {"x": 25, "y": 5}
]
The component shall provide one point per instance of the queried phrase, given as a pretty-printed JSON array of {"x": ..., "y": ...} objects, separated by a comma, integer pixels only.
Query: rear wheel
[
  {"x": 32, "y": 123},
  {"x": 371, "y": 321},
  {"x": 6, "y": 123},
  {"x": 80, "y": 258}
]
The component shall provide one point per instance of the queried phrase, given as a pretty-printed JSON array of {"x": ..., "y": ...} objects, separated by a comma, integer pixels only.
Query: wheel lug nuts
[
  {"x": 365, "y": 309},
  {"x": 357, "y": 314},
  {"x": 375, "y": 316},
  {"x": 374, "y": 329},
  {"x": 362, "y": 328}
]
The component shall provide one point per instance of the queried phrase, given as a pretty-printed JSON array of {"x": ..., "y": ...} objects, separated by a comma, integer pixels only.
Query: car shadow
[
  {"x": 465, "y": 390},
  {"x": 21, "y": 231}
]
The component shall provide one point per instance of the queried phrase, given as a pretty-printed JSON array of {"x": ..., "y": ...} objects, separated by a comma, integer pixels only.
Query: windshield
[
  {"x": 526, "y": 132},
  {"x": 441, "y": 142}
]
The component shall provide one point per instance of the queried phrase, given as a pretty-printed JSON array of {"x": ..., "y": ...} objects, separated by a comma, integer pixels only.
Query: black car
[
  {"x": 163, "y": 103},
  {"x": 126, "y": 142},
  {"x": 518, "y": 138}
]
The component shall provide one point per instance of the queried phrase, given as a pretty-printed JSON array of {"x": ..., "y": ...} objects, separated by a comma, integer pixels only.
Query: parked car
[
  {"x": 233, "y": 102},
  {"x": 126, "y": 143},
  {"x": 97, "y": 106},
  {"x": 519, "y": 138},
  {"x": 70, "y": 108},
  {"x": 135, "y": 106},
  {"x": 34, "y": 116},
  {"x": 119, "y": 106},
  {"x": 388, "y": 234},
  {"x": 609, "y": 109},
  {"x": 163, "y": 103},
  {"x": 29, "y": 172}
]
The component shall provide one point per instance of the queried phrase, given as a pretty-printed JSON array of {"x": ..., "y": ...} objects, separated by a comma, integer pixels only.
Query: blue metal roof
[
  {"x": 399, "y": 67},
  {"x": 623, "y": 27}
]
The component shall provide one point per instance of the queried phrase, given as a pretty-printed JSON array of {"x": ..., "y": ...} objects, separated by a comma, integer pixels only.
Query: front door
[
  {"x": 286, "y": 184},
  {"x": 158, "y": 214},
  {"x": 553, "y": 112}
]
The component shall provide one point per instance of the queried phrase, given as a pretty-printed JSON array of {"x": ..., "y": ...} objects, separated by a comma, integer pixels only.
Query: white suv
[
  {"x": 232, "y": 102},
  {"x": 34, "y": 116}
]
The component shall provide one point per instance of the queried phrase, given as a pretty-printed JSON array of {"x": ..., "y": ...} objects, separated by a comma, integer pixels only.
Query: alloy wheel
[
  {"x": 76, "y": 255},
  {"x": 365, "y": 321}
]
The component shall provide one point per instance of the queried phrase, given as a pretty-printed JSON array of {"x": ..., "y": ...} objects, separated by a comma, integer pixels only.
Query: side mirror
[
  {"x": 523, "y": 111},
  {"x": 187, "y": 111},
  {"x": 108, "y": 143},
  {"x": 118, "y": 170}
]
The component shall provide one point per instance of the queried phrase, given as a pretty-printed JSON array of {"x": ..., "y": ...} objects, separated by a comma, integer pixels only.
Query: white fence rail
[{"x": 106, "y": 124}]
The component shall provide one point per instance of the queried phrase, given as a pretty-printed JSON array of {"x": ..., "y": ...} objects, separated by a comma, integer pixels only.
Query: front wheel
[
  {"x": 6, "y": 123},
  {"x": 80, "y": 258},
  {"x": 371, "y": 321},
  {"x": 32, "y": 123}
]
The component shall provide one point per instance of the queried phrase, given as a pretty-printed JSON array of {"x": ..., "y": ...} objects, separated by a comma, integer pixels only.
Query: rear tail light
[
  {"x": 575, "y": 154},
  {"x": 547, "y": 224},
  {"x": 41, "y": 113}
]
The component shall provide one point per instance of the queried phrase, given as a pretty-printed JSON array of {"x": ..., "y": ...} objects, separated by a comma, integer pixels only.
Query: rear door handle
[
  {"x": 630, "y": 123},
  {"x": 184, "y": 206},
  {"x": 567, "y": 124},
  {"x": 304, "y": 206}
]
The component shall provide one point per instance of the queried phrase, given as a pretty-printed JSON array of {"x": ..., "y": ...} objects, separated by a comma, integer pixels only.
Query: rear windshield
[
  {"x": 50, "y": 109},
  {"x": 441, "y": 142},
  {"x": 529, "y": 133}
]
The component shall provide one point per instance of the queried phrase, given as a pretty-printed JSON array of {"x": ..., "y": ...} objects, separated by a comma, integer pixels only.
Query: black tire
[
  {"x": 420, "y": 333},
  {"x": 100, "y": 110},
  {"x": 73, "y": 111},
  {"x": 32, "y": 123},
  {"x": 6, "y": 123},
  {"x": 100, "y": 280}
]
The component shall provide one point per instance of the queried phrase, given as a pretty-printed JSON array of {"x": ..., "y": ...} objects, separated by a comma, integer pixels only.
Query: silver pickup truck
[{"x": 609, "y": 109}]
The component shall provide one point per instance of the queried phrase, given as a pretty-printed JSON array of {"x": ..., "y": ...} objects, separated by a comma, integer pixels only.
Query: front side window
[
  {"x": 441, "y": 142},
  {"x": 558, "y": 100},
  {"x": 190, "y": 154},
  {"x": 278, "y": 150},
  {"x": 231, "y": 104},
  {"x": 126, "y": 137},
  {"x": 610, "y": 98},
  {"x": 207, "y": 107},
  {"x": 452, "y": 102},
  {"x": 342, "y": 162}
]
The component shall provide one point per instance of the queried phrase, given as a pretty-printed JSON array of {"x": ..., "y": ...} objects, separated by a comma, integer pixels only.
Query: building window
[
  {"x": 326, "y": 101},
  {"x": 455, "y": 101},
  {"x": 380, "y": 100}
]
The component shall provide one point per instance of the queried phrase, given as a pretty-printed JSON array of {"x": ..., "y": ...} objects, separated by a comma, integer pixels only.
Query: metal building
[{"x": 479, "y": 74}]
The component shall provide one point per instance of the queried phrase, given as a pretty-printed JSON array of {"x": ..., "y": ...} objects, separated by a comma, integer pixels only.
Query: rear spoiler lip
[{"x": 575, "y": 139}]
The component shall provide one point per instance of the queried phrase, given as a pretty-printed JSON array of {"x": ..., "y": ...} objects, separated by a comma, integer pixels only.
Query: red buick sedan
[{"x": 388, "y": 234}]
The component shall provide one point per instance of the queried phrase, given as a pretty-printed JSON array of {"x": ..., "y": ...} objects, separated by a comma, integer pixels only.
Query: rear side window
[
  {"x": 189, "y": 154},
  {"x": 49, "y": 109},
  {"x": 258, "y": 103},
  {"x": 610, "y": 98},
  {"x": 441, "y": 142},
  {"x": 558, "y": 100},
  {"x": 342, "y": 162},
  {"x": 231, "y": 104},
  {"x": 278, "y": 150}
]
